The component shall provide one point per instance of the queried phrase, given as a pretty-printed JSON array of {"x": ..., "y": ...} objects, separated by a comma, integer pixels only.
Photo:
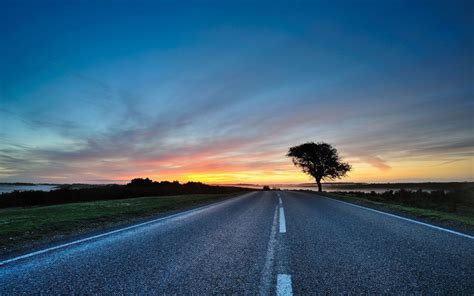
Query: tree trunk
[{"x": 320, "y": 187}]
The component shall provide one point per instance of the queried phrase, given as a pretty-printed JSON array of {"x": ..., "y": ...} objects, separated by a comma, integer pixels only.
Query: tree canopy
[{"x": 319, "y": 160}]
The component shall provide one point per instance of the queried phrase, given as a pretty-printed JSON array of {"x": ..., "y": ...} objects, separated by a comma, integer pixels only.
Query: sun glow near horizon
[{"x": 421, "y": 171}]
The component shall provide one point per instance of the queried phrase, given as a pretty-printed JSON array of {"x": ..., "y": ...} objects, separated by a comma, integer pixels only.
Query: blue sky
[{"x": 102, "y": 91}]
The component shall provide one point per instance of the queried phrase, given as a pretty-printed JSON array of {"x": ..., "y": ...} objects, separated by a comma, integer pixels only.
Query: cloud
[
  {"x": 254, "y": 143},
  {"x": 376, "y": 162}
]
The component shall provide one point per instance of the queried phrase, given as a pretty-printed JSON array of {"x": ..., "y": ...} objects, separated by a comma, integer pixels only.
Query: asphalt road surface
[{"x": 258, "y": 243}]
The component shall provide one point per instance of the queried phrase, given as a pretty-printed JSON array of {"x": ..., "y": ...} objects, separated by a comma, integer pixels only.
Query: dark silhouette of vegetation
[
  {"x": 266, "y": 188},
  {"x": 136, "y": 188},
  {"x": 319, "y": 160},
  {"x": 461, "y": 201},
  {"x": 137, "y": 182},
  {"x": 425, "y": 186}
]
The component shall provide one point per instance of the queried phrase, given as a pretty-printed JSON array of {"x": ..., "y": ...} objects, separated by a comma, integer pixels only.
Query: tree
[
  {"x": 141, "y": 182},
  {"x": 319, "y": 160}
]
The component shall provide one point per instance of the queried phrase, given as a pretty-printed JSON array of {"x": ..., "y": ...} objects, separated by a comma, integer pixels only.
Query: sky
[{"x": 106, "y": 91}]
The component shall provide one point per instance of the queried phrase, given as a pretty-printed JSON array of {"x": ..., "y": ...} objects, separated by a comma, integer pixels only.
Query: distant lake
[
  {"x": 342, "y": 188},
  {"x": 333, "y": 188},
  {"x": 330, "y": 188},
  {"x": 367, "y": 188},
  {"x": 6, "y": 188}
]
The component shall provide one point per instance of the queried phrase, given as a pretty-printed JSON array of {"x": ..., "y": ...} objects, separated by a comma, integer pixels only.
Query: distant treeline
[
  {"x": 136, "y": 188},
  {"x": 449, "y": 186},
  {"x": 448, "y": 201}
]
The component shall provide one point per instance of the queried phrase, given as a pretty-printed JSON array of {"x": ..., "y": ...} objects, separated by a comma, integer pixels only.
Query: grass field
[
  {"x": 463, "y": 217},
  {"x": 26, "y": 226}
]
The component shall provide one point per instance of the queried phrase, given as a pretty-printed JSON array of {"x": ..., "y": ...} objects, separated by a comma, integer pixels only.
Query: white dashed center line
[
  {"x": 282, "y": 221},
  {"x": 284, "y": 285}
]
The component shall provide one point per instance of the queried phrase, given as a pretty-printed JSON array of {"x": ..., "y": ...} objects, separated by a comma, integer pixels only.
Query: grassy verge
[
  {"x": 463, "y": 220},
  {"x": 25, "y": 227}
]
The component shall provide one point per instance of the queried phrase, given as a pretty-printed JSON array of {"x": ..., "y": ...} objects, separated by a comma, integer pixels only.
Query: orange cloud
[{"x": 377, "y": 162}]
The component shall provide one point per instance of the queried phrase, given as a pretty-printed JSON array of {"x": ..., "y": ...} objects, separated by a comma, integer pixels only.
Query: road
[{"x": 258, "y": 243}]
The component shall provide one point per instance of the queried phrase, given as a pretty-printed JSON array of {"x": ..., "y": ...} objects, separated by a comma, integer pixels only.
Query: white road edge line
[
  {"x": 284, "y": 285},
  {"x": 403, "y": 218},
  {"x": 282, "y": 221},
  {"x": 279, "y": 200},
  {"x": 4, "y": 262}
]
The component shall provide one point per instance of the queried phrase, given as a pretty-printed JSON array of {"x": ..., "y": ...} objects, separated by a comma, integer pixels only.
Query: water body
[
  {"x": 343, "y": 187},
  {"x": 339, "y": 188},
  {"x": 6, "y": 188},
  {"x": 330, "y": 188}
]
